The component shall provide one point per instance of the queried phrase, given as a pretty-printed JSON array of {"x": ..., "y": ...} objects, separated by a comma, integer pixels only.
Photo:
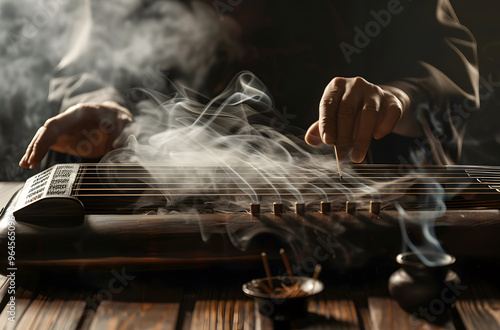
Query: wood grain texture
[
  {"x": 53, "y": 309},
  {"x": 216, "y": 302},
  {"x": 4, "y": 286},
  {"x": 386, "y": 314},
  {"x": 135, "y": 315},
  {"x": 333, "y": 309},
  {"x": 479, "y": 306},
  {"x": 224, "y": 307},
  {"x": 23, "y": 299}
]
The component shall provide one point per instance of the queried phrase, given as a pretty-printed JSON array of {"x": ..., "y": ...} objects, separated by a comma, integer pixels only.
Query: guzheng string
[
  {"x": 459, "y": 178},
  {"x": 457, "y": 181}
]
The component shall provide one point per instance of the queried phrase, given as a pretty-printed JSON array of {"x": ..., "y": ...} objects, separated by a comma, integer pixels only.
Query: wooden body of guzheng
[{"x": 96, "y": 215}]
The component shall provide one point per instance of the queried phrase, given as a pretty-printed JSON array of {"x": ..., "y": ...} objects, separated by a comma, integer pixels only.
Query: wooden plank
[
  {"x": 249, "y": 322},
  {"x": 223, "y": 307},
  {"x": 386, "y": 314},
  {"x": 53, "y": 309},
  {"x": 4, "y": 286},
  {"x": 479, "y": 307},
  {"x": 333, "y": 308},
  {"x": 359, "y": 298},
  {"x": 23, "y": 299},
  {"x": 239, "y": 314},
  {"x": 135, "y": 315}
]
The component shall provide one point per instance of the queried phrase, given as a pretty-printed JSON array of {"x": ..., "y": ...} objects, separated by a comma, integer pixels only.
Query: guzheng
[{"x": 92, "y": 215}]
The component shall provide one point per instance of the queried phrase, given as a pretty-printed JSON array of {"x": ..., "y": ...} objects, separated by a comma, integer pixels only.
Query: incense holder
[
  {"x": 425, "y": 290},
  {"x": 276, "y": 304}
]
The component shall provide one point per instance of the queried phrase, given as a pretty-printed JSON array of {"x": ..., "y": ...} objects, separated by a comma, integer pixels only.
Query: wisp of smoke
[
  {"x": 227, "y": 153},
  {"x": 222, "y": 155}
]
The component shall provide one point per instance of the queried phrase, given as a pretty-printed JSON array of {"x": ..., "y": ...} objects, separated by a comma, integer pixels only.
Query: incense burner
[
  {"x": 278, "y": 304},
  {"x": 426, "y": 290}
]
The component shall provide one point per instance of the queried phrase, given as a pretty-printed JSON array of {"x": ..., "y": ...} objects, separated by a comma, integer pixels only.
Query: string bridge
[{"x": 65, "y": 193}]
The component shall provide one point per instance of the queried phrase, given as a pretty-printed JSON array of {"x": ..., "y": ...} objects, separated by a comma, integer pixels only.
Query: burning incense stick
[
  {"x": 282, "y": 290},
  {"x": 317, "y": 270},
  {"x": 268, "y": 271},
  {"x": 338, "y": 163},
  {"x": 287, "y": 265}
]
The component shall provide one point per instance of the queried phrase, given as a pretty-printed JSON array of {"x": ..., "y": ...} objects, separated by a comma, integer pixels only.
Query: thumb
[{"x": 312, "y": 136}]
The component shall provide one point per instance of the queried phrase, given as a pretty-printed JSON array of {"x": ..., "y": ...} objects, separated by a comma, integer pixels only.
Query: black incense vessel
[{"x": 426, "y": 290}]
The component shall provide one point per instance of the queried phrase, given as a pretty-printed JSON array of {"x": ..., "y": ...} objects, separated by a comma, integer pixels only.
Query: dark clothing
[{"x": 297, "y": 48}]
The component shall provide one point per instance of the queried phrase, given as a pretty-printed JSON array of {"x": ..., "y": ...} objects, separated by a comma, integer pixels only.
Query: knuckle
[
  {"x": 378, "y": 90},
  {"x": 370, "y": 109},
  {"x": 365, "y": 86},
  {"x": 336, "y": 83},
  {"x": 77, "y": 107},
  {"x": 49, "y": 123},
  {"x": 51, "y": 126},
  {"x": 35, "y": 145},
  {"x": 337, "y": 80},
  {"x": 396, "y": 104},
  {"x": 357, "y": 81}
]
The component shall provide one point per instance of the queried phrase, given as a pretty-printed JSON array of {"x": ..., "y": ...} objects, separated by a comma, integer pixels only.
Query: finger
[
  {"x": 328, "y": 110},
  {"x": 389, "y": 115},
  {"x": 312, "y": 135},
  {"x": 366, "y": 123},
  {"x": 120, "y": 130},
  {"x": 120, "y": 140},
  {"x": 45, "y": 137},
  {"x": 346, "y": 118},
  {"x": 25, "y": 161}
]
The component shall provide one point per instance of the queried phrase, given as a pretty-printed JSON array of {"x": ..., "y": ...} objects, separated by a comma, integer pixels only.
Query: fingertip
[
  {"x": 313, "y": 140},
  {"x": 378, "y": 135},
  {"x": 23, "y": 163},
  {"x": 328, "y": 138},
  {"x": 357, "y": 156},
  {"x": 125, "y": 117}
]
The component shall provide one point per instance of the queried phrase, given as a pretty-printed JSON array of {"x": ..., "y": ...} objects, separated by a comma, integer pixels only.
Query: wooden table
[{"x": 211, "y": 298}]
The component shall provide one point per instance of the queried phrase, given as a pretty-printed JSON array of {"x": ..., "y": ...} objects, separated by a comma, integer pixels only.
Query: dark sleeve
[
  {"x": 67, "y": 91},
  {"x": 425, "y": 51},
  {"x": 433, "y": 51}
]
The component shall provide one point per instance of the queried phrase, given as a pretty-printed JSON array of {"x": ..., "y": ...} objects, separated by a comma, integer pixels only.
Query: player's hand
[
  {"x": 352, "y": 111},
  {"x": 85, "y": 130}
]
